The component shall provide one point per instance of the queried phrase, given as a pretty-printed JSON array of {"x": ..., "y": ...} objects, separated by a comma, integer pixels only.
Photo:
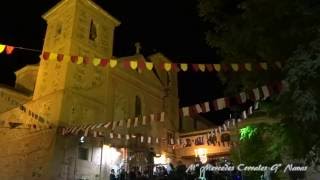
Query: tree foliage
[{"x": 269, "y": 31}]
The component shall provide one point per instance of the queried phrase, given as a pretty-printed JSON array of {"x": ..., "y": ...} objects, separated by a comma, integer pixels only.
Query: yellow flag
[
  {"x": 278, "y": 64},
  {"x": 149, "y": 65},
  {"x": 184, "y": 67},
  {"x": 2, "y": 47},
  {"x": 133, "y": 64},
  {"x": 53, "y": 56},
  {"x": 248, "y": 66},
  {"x": 235, "y": 67},
  {"x": 202, "y": 67},
  {"x": 80, "y": 60},
  {"x": 264, "y": 66},
  {"x": 113, "y": 63},
  {"x": 167, "y": 66},
  {"x": 217, "y": 67},
  {"x": 96, "y": 61}
]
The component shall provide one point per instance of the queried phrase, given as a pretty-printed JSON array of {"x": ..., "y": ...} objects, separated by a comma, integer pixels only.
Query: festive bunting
[
  {"x": 9, "y": 49},
  {"x": 2, "y": 47}
]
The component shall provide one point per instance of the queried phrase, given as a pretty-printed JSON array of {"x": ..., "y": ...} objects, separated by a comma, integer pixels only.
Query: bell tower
[{"x": 75, "y": 28}]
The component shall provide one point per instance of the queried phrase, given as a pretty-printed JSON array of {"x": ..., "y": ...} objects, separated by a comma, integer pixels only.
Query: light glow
[
  {"x": 202, "y": 154},
  {"x": 110, "y": 155}
]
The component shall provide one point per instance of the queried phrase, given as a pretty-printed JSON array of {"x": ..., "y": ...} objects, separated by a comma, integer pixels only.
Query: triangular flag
[
  {"x": 129, "y": 123},
  {"x": 86, "y": 60},
  {"x": 107, "y": 125},
  {"x": 45, "y": 54},
  {"x": 96, "y": 61},
  {"x": 250, "y": 110},
  {"x": 95, "y": 133},
  {"x": 119, "y": 136},
  {"x": 2, "y": 47},
  {"x": 235, "y": 67},
  {"x": 80, "y": 60},
  {"x": 136, "y": 120},
  {"x": 185, "y": 111},
  {"x": 111, "y": 135},
  {"x": 53, "y": 56},
  {"x": 256, "y": 105},
  {"x": 162, "y": 117},
  {"x": 133, "y": 65},
  {"x": 113, "y": 63},
  {"x": 149, "y": 65},
  {"x": 127, "y": 137},
  {"x": 171, "y": 141},
  {"x": 152, "y": 117},
  {"x": 121, "y": 123},
  {"x": 141, "y": 139},
  {"x": 141, "y": 65},
  {"x": 265, "y": 91},
  {"x": 9, "y": 49},
  {"x": 207, "y": 106},
  {"x": 256, "y": 94},
  {"x": 104, "y": 62},
  {"x": 74, "y": 59},
  {"x": 60, "y": 57},
  {"x": 144, "y": 120},
  {"x": 114, "y": 124},
  {"x": 217, "y": 67},
  {"x": 248, "y": 66},
  {"x": 157, "y": 140},
  {"x": 264, "y": 66},
  {"x": 209, "y": 67},
  {"x": 244, "y": 114},
  {"x": 184, "y": 67},
  {"x": 243, "y": 97},
  {"x": 278, "y": 64},
  {"x": 198, "y": 108},
  {"x": 167, "y": 66},
  {"x": 149, "y": 140},
  {"x": 202, "y": 67}
]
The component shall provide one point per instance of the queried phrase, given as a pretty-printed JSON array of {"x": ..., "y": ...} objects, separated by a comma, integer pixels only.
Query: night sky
[{"x": 170, "y": 27}]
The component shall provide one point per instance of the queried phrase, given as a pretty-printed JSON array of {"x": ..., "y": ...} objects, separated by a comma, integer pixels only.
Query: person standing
[{"x": 112, "y": 175}]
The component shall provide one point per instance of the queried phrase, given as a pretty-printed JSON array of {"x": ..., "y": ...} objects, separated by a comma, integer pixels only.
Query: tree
[{"x": 269, "y": 31}]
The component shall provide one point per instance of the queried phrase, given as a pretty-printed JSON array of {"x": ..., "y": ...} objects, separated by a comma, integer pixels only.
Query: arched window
[{"x": 137, "y": 107}]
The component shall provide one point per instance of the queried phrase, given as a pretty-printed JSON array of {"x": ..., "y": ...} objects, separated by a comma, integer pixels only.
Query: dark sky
[{"x": 168, "y": 26}]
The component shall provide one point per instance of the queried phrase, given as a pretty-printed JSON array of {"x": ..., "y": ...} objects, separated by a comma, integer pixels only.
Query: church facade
[{"x": 68, "y": 95}]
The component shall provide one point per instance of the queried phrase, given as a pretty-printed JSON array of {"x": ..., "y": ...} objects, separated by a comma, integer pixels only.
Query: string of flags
[
  {"x": 112, "y": 135},
  {"x": 112, "y": 125},
  {"x": 255, "y": 94},
  {"x": 143, "y": 65},
  {"x": 8, "y": 49},
  {"x": 166, "y": 66},
  {"x": 38, "y": 118}
]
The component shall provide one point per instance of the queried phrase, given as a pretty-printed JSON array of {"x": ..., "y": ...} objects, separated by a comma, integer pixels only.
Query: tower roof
[{"x": 94, "y": 5}]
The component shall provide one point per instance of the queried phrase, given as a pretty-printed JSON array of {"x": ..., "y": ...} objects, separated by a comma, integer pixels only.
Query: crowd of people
[{"x": 169, "y": 172}]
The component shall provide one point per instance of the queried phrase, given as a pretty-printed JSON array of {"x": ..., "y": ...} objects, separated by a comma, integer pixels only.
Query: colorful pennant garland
[
  {"x": 84, "y": 131},
  {"x": 34, "y": 116},
  {"x": 255, "y": 94},
  {"x": 166, "y": 66}
]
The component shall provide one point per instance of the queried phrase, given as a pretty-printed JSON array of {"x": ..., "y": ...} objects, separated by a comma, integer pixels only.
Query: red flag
[
  {"x": 60, "y": 57},
  {"x": 126, "y": 64},
  {"x": 9, "y": 49},
  {"x": 225, "y": 67},
  {"x": 195, "y": 67},
  {"x": 209, "y": 67},
  {"x": 86, "y": 60},
  {"x": 141, "y": 65},
  {"x": 104, "y": 62},
  {"x": 74, "y": 59},
  {"x": 45, "y": 55}
]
